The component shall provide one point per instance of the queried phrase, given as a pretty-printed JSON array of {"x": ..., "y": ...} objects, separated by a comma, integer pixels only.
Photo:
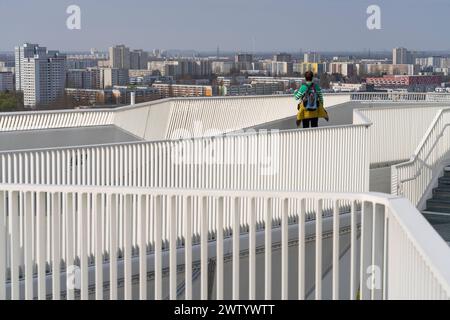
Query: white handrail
[
  {"x": 413, "y": 177},
  {"x": 324, "y": 159},
  {"x": 396, "y": 132},
  {"x": 116, "y": 223},
  {"x": 427, "y": 97},
  {"x": 168, "y": 115},
  {"x": 55, "y": 119}
]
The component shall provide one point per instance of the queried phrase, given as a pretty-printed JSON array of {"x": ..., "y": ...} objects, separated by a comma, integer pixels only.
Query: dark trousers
[{"x": 310, "y": 123}]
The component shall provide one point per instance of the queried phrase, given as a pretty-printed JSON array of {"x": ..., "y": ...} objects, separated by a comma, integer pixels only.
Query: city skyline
[{"x": 204, "y": 25}]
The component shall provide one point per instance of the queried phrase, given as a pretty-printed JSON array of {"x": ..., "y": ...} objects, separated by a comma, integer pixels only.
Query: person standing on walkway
[{"x": 310, "y": 103}]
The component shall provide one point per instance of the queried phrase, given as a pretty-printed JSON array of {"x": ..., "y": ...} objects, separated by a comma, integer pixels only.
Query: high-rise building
[
  {"x": 138, "y": 59},
  {"x": 110, "y": 77},
  {"x": 157, "y": 53},
  {"x": 282, "y": 57},
  {"x": 81, "y": 63},
  {"x": 6, "y": 81},
  {"x": 244, "y": 61},
  {"x": 316, "y": 68},
  {"x": 278, "y": 68},
  {"x": 344, "y": 68},
  {"x": 222, "y": 67},
  {"x": 401, "y": 56},
  {"x": 244, "y": 57},
  {"x": 40, "y": 74},
  {"x": 27, "y": 50},
  {"x": 433, "y": 62},
  {"x": 83, "y": 79},
  {"x": 311, "y": 57},
  {"x": 119, "y": 57}
]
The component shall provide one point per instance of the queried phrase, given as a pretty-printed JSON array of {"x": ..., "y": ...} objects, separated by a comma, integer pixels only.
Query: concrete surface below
[{"x": 65, "y": 137}]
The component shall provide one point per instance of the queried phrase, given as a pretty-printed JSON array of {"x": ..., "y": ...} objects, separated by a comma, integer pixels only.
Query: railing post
[
  {"x": 378, "y": 247},
  {"x": 367, "y": 218}
]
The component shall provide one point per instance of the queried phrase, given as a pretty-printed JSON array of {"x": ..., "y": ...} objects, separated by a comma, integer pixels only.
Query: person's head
[{"x": 309, "y": 76}]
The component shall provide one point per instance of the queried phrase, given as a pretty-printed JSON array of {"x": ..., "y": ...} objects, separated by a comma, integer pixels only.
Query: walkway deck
[{"x": 65, "y": 137}]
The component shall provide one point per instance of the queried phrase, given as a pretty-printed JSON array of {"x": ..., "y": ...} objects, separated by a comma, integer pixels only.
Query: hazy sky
[{"x": 275, "y": 25}]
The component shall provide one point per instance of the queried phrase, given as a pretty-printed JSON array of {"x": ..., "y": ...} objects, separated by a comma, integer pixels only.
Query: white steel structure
[{"x": 201, "y": 206}]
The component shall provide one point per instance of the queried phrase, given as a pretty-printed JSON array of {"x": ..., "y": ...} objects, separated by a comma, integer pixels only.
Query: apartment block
[
  {"x": 6, "y": 81},
  {"x": 178, "y": 90},
  {"x": 41, "y": 75}
]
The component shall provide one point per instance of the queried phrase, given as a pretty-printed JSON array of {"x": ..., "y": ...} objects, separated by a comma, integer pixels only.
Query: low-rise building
[
  {"x": 180, "y": 90},
  {"x": 409, "y": 83},
  {"x": 344, "y": 68},
  {"x": 122, "y": 94},
  {"x": 389, "y": 69},
  {"x": 88, "y": 97},
  {"x": 316, "y": 68},
  {"x": 222, "y": 67},
  {"x": 347, "y": 87},
  {"x": 117, "y": 95}
]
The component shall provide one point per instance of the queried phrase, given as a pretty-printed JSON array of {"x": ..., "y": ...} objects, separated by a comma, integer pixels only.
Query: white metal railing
[
  {"x": 399, "y": 254},
  {"x": 400, "y": 97},
  {"x": 324, "y": 159},
  {"x": 198, "y": 117},
  {"x": 164, "y": 119},
  {"x": 206, "y": 117},
  {"x": 169, "y": 115},
  {"x": 396, "y": 132},
  {"x": 55, "y": 119},
  {"x": 412, "y": 179}
]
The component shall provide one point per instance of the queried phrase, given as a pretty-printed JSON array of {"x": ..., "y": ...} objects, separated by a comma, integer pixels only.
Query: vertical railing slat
[
  {"x": 220, "y": 229},
  {"x": 142, "y": 205},
  {"x": 336, "y": 250},
  {"x": 268, "y": 249},
  {"x": 204, "y": 248},
  {"x": 56, "y": 237},
  {"x": 172, "y": 214},
  {"x": 128, "y": 272},
  {"x": 284, "y": 250}
]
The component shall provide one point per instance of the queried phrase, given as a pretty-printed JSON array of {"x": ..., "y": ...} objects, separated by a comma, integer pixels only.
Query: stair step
[
  {"x": 439, "y": 194},
  {"x": 443, "y": 186},
  {"x": 438, "y": 209},
  {"x": 434, "y": 213},
  {"x": 439, "y": 201},
  {"x": 438, "y": 206},
  {"x": 444, "y": 180}
]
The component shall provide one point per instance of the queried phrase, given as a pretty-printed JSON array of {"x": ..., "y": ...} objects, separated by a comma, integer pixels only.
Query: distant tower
[
  {"x": 218, "y": 52},
  {"x": 400, "y": 56},
  {"x": 253, "y": 45}
]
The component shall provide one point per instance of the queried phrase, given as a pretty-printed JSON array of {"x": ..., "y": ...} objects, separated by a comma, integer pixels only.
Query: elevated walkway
[{"x": 143, "y": 210}]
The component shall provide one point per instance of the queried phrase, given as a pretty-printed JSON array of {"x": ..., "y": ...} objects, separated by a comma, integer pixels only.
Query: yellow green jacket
[
  {"x": 302, "y": 112},
  {"x": 305, "y": 114}
]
